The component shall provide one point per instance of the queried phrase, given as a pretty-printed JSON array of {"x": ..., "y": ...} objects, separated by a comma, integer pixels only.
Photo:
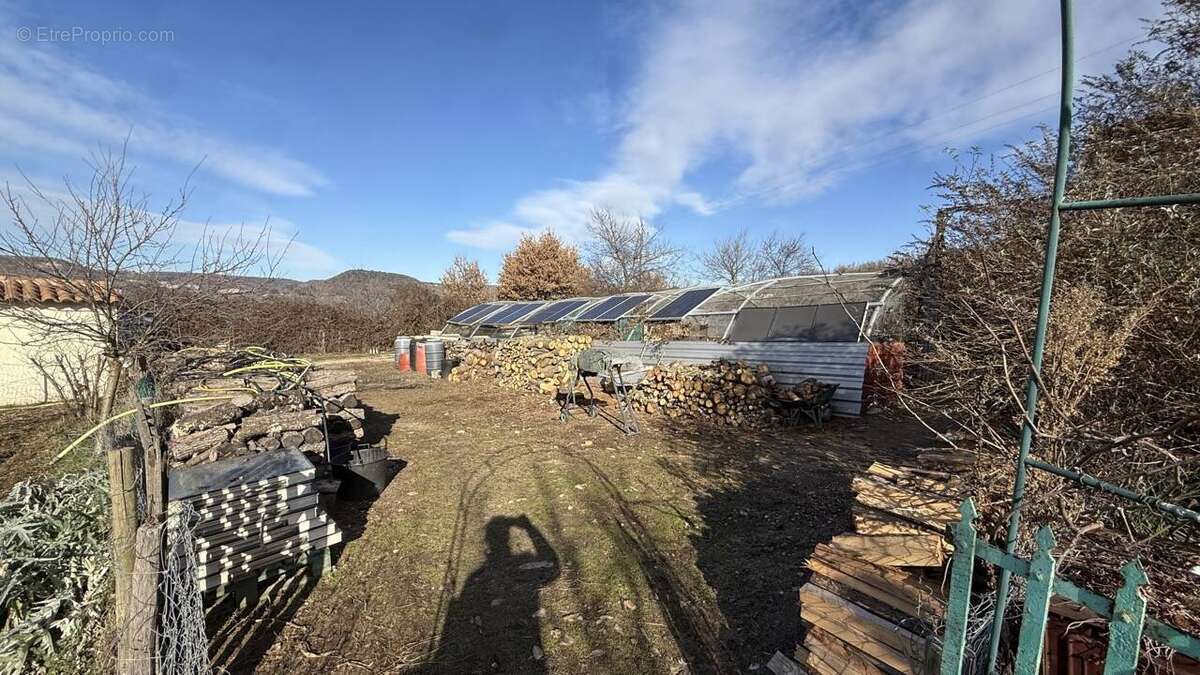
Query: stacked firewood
[
  {"x": 873, "y": 600},
  {"x": 729, "y": 392},
  {"x": 266, "y": 410},
  {"x": 539, "y": 364}
]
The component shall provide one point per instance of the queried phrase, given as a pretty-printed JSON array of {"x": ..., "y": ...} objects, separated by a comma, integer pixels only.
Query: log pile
[
  {"x": 728, "y": 392},
  {"x": 287, "y": 409},
  {"x": 537, "y": 364},
  {"x": 873, "y": 601}
]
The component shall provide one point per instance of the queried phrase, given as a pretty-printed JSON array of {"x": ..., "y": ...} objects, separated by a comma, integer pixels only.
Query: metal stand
[{"x": 628, "y": 421}]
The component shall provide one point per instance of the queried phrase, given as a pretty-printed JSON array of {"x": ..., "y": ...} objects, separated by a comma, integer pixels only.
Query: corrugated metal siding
[{"x": 841, "y": 363}]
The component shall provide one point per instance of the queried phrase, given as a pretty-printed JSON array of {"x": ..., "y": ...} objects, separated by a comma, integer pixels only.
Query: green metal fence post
[
  {"x": 962, "y": 568},
  {"x": 1125, "y": 626},
  {"x": 1043, "y": 320},
  {"x": 1038, "y": 589}
]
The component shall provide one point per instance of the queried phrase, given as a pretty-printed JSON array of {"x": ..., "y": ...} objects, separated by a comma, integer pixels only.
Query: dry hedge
[{"x": 1121, "y": 380}]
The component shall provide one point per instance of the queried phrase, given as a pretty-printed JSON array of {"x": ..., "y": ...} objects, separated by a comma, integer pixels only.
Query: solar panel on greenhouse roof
[
  {"x": 469, "y": 313},
  {"x": 553, "y": 312},
  {"x": 621, "y": 308},
  {"x": 600, "y": 308},
  {"x": 686, "y": 302},
  {"x": 513, "y": 313}
]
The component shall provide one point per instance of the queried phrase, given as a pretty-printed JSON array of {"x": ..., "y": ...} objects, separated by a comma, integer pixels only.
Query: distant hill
[
  {"x": 349, "y": 286},
  {"x": 356, "y": 284}
]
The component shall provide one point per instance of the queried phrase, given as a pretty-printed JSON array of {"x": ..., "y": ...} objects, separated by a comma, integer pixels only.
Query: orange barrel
[
  {"x": 403, "y": 356},
  {"x": 418, "y": 363}
]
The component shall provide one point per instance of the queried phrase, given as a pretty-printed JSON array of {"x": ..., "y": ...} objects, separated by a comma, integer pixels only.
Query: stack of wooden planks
[
  {"x": 252, "y": 515},
  {"x": 873, "y": 599}
]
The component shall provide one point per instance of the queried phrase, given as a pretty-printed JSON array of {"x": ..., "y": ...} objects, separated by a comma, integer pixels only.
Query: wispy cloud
[
  {"x": 278, "y": 238},
  {"x": 54, "y": 104},
  {"x": 800, "y": 96},
  {"x": 279, "y": 241}
]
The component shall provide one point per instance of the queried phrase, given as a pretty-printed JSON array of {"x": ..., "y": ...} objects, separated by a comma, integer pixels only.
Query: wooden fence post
[
  {"x": 141, "y": 657},
  {"x": 122, "y": 490}
]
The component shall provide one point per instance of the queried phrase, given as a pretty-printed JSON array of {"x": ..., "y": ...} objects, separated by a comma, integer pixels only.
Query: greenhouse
[{"x": 847, "y": 307}]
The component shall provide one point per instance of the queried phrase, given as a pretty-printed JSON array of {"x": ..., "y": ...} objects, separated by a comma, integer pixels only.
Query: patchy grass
[
  {"x": 31, "y": 436},
  {"x": 515, "y": 543}
]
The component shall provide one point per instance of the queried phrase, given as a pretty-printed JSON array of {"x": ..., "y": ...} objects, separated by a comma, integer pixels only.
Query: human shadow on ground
[{"x": 492, "y": 626}]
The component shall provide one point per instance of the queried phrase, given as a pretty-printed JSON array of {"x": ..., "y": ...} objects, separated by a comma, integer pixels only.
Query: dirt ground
[
  {"x": 29, "y": 439},
  {"x": 512, "y": 542}
]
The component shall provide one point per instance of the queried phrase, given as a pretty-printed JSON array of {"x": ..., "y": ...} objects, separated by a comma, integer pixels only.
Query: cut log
[
  {"x": 265, "y": 423},
  {"x": 184, "y": 447},
  {"x": 895, "y": 587},
  {"x": 934, "y": 482},
  {"x": 218, "y": 415},
  {"x": 291, "y": 439},
  {"x": 931, "y": 511},
  {"x": 827, "y": 655},
  {"x": 897, "y": 550},
  {"x": 867, "y": 632},
  {"x": 313, "y": 435},
  {"x": 870, "y": 521}
]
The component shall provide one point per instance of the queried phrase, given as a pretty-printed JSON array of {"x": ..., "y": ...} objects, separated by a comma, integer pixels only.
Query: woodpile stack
[
  {"x": 538, "y": 364},
  {"x": 873, "y": 600},
  {"x": 728, "y": 392},
  {"x": 267, "y": 411}
]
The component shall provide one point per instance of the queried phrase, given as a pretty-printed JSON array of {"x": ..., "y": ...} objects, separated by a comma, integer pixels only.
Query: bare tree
[
  {"x": 731, "y": 261},
  {"x": 785, "y": 256},
  {"x": 627, "y": 254},
  {"x": 129, "y": 278}
]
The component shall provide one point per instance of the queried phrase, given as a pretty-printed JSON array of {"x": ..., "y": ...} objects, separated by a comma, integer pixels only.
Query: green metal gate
[{"x": 1127, "y": 614}]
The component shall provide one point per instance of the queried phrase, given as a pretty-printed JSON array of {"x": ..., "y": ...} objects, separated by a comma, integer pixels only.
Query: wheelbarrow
[{"x": 817, "y": 407}]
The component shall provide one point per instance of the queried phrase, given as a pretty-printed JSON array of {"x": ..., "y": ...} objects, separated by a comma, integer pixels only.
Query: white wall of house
[{"x": 21, "y": 383}]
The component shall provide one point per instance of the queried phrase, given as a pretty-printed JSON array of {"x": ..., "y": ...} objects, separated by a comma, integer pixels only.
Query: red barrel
[{"x": 418, "y": 364}]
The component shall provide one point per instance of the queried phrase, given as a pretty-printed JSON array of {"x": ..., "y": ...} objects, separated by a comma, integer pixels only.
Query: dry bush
[
  {"x": 308, "y": 325},
  {"x": 464, "y": 285},
  {"x": 1121, "y": 381},
  {"x": 541, "y": 267}
]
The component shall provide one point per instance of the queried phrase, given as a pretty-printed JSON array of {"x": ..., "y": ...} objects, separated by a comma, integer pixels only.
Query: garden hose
[
  {"x": 277, "y": 365},
  {"x": 87, "y": 434}
]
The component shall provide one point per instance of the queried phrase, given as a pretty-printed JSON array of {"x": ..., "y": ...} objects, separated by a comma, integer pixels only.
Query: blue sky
[{"x": 393, "y": 136}]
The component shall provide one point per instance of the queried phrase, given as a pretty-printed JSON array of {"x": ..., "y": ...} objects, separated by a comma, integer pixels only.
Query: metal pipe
[
  {"x": 1160, "y": 200},
  {"x": 1153, "y": 502},
  {"x": 1065, "y": 114}
]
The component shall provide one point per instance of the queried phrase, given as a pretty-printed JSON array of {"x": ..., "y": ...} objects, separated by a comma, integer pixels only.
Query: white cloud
[
  {"x": 278, "y": 237},
  {"x": 279, "y": 241},
  {"x": 497, "y": 236},
  {"x": 799, "y": 96},
  {"x": 53, "y": 104}
]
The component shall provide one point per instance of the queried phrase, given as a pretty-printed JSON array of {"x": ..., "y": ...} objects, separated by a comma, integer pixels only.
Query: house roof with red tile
[{"x": 45, "y": 290}]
